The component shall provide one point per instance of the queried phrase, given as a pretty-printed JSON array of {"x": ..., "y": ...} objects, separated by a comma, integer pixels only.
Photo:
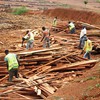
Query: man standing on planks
[
  {"x": 12, "y": 64},
  {"x": 45, "y": 38},
  {"x": 54, "y": 24},
  {"x": 71, "y": 27},
  {"x": 30, "y": 39},
  {"x": 82, "y": 37},
  {"x": 87, "y": 48}
]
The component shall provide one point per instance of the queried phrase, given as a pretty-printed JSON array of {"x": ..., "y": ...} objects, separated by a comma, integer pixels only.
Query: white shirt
[{"x": 83, "y": 31}]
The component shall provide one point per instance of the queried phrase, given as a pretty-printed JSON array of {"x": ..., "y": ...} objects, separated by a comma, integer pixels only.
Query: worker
[
  {"x": 54, "y": 24},
  {"x": 87, "y": 48},
  {"x": 12, "y": 64},
  {"x": 46, "y": 37},
  {"x": 82, "y": 37},
  {"x": 71, "y": 27},
  {"x": 30, "y": 39}
]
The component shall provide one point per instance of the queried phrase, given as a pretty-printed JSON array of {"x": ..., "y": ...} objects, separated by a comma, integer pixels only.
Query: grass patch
[
  {"x": 98, "y": 85},
  {"x": 98, "y": 1},
  {"x": 20, "y": 10},
  {"x": 90, "y": 78}
]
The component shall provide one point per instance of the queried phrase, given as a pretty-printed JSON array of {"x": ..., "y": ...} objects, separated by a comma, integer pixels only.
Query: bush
[
  {"x": 20, "y": 10},
  {"x": 85, "y": 2}
]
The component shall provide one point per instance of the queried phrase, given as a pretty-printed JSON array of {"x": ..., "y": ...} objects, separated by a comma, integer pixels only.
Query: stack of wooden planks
[{"x": 41, "y": 76}]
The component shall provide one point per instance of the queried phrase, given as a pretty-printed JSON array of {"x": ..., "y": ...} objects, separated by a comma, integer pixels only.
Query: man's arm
[
  {"x": 5, "y": 59},
  {"x": 42, "y": 38}
]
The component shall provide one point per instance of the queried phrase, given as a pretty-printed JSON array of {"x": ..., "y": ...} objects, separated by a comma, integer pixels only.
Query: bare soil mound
[{"x": 76, "y": 15}]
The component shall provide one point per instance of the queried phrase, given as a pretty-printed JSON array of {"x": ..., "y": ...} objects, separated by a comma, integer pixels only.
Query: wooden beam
[
  {"x": 73, "y": 65},
  {"x": 22, "y": 96},
  {"x": 50, "y": 63},
  {"x": 93, "y": 26},
  {"x": 37, "y": 51},
  {"x": 36, "y": 59},
  {"x": 4, "y": 78}
]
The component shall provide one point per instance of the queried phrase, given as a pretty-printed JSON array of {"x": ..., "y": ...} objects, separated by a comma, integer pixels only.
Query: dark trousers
[
  {"x": 46, "y": 42},
  {"x": 82, "y": 41},
  {"x": 72, "y": 31},
  {"x": 13, "y": 72}
]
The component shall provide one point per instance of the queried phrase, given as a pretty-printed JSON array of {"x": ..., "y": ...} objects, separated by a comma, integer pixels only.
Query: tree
[{"x": 85, "y": 2}]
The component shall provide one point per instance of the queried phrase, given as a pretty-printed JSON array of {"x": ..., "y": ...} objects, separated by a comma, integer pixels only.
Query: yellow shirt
[
  {"x": 54, "y": 22},
  {"x": 88, "y": 46},
  {"x": 71, "y": 26}
]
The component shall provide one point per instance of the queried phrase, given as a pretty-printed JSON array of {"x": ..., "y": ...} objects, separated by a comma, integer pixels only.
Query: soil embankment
[{"x": 76, "y": 15}]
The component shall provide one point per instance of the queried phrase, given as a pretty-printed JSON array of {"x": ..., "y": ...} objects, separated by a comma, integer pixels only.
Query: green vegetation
[
  {"x": 90, "y": 78},
  {"x": 98, "y": 1},
  {"x": 98, "y": 85},
  {"x": 20, "y": 10}
]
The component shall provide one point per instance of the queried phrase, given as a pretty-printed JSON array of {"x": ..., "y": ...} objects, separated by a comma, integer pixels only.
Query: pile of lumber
[
  {"x": 41, "y": 76},
  {"x": 96, "y": 48}
]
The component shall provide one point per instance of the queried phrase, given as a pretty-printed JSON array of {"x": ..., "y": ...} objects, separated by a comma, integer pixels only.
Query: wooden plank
[
  {"x": 28, "y": 63},
  {"x": 14, "y": 88},
  {"x": 23, "y": 96},
  {"x": 93, "y": 26},
  {"x": 73, "y": 65},
  {"x": 36, "y": 59},
  {"x": 83, "y": 63},
  {"x": 49, "y": 64},
  {"x": 4, "y": 78},
  {"x": 37, "y": 51},
  {"x": 45, "y": 86}
]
